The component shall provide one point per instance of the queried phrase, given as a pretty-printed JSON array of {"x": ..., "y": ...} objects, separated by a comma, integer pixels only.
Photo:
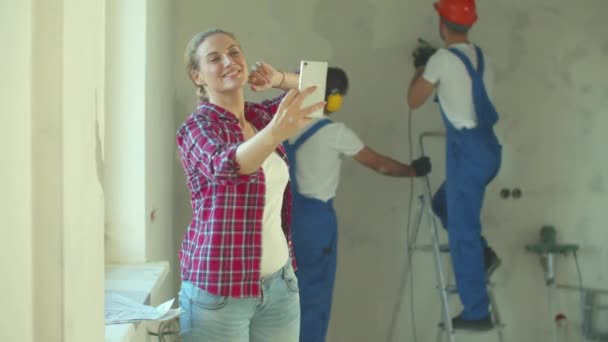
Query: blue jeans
[{"x": 275, "y": 316}]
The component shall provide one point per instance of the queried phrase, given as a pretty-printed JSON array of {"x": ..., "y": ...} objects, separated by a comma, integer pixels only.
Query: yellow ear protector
[{"x": 334, "y": 101}]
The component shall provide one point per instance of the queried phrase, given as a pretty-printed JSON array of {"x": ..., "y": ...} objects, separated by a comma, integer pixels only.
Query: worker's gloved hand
[
  {"x": 422, "y": 166},
  {"x": 422, "y": 54}
]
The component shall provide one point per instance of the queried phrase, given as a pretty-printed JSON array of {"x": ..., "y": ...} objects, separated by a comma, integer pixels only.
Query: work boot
[
  {"x": 483, "y": 324},
  {"x": 491, "y": 261}
]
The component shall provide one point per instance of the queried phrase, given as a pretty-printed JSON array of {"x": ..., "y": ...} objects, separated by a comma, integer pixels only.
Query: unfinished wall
[{"x": 551, "y": 70}]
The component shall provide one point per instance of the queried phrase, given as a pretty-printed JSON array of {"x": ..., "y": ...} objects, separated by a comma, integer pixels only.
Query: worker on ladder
[
  {"x": 463, "y": 78},
  {"x": 315, "y": 157}
]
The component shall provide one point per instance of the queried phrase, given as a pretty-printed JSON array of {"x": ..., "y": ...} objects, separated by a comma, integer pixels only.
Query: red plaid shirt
[{"x": 222, "y": 248}]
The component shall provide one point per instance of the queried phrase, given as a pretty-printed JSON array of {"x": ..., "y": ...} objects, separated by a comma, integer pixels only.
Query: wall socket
[{"x": 516, "y": 193}]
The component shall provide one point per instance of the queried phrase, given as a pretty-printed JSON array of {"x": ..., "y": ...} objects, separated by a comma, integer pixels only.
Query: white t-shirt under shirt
[
  {"x": 454, "y": 83},
  {"x": 275, "y": 251},
  {"x": 319, "y": 159}
]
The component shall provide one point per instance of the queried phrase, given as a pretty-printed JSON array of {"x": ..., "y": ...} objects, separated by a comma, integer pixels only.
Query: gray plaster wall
[{"x": 551, "y": 62}]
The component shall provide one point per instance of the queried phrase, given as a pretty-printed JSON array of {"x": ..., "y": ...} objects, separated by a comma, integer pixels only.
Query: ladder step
[
  {"x": 443, "y": 248},
  {"x": 497, "y": 327},
  {"x": 452, "y": 289}
]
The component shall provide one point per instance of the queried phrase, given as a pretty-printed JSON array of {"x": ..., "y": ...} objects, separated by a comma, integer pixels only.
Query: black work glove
[
  {"x": 422, "y": 54},
  {"x": 422, "y": 166}
]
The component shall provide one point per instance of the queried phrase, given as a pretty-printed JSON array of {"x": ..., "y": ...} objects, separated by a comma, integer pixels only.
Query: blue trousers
[
  {"x": 314, "y": 235},
  {"x": 459, "y": 210}
]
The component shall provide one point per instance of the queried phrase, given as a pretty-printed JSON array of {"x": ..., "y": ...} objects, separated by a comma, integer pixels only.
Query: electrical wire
[
  {"x": 581, "y": 289},
  {"x": 580, "y": 280},
  {"x": 167, "y": 328},
  {"x": 578, "y": 271},
  {"x": 409, "y": 229},
  {"x": 409, "y": 269}
]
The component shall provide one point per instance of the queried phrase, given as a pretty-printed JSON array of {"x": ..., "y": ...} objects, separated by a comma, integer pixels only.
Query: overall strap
[
  {"x": 467, "y": 62},
  {"x": 309, "y": 133},
  {"x": 292, "y": 148}
]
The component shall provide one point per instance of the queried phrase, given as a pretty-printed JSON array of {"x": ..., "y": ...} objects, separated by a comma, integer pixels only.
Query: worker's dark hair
[
  {"x": 456, "y": 28},
  {"x": 336, "y": 81}
]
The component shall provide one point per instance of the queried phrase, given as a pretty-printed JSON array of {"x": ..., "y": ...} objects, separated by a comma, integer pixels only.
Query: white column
[
  {"x": 52, "y": 199},
  {"x": 82, "y": 100},
  {"x": 16, "y": 172},
  {"x": 47, "y": 168},
  {"x": 125, "y": 120},
  {"x": 160, "y": 141}
]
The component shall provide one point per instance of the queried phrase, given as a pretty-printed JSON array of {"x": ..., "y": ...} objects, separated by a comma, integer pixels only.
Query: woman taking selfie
[{"x": 238, "y": 281}]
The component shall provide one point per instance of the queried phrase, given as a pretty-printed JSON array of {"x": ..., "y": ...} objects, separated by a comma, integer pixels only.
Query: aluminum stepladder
[{"x": 437, "y": 248}]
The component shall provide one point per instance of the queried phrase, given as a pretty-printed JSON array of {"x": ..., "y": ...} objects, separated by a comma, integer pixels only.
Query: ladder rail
[
  {"x": 496, "y": 315},
  {"x": 447, "y": 319},
  {"x": 414, "y": 237}
]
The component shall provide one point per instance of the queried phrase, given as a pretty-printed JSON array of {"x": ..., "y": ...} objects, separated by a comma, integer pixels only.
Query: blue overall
[
  {"x": 314, "y": 232},
  {"x": 473, "y": 160}
]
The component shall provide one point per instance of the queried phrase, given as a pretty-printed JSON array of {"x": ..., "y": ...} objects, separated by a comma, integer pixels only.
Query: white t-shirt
[
  {"x": 319, "y": 159},
  {"x": 454, "y": 83},
  {"x": 275, "y": 251}
]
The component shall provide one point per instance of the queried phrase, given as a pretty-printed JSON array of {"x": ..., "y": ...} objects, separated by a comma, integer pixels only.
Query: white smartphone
[{"x": 313, "y": 73}]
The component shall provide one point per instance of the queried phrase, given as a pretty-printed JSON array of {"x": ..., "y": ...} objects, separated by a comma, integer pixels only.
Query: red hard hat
[{"x": 461, "y": 12}]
